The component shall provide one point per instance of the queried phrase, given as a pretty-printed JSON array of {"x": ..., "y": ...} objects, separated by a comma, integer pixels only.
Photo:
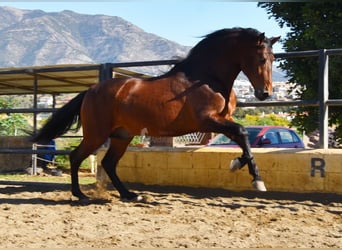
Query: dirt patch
[{"x": 42, "y": 215}]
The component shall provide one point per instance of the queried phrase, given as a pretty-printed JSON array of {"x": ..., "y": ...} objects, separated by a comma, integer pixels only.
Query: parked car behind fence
[{"x": 263, "y": 137}]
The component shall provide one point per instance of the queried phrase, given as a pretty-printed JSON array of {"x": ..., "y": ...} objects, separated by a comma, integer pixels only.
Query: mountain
[{"x": 36, "y": 38}]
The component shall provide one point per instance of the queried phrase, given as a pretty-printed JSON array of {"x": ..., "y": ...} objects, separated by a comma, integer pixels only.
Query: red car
[{"x": 263, "y": 137}]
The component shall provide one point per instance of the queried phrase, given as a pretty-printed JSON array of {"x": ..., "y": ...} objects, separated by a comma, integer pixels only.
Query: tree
[
  {"x": 12, "y": 124},
  {"x": 313, "y": 25},
  {"x": 266, "y": 120}
]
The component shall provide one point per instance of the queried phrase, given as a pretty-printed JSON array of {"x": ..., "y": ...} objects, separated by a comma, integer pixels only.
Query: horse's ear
[
  {"x": 261, "y": 38},
  {"x": 274, "y": 39}
]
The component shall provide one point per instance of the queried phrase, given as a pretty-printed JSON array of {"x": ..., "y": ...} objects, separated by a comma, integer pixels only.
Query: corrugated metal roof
[{"x": 54, "y": 79}]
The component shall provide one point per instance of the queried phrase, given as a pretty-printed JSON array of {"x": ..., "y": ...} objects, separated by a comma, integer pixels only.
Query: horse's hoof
[
  {"x": 235, "y": 165},
  {"x": 259, "y": 185},
  {"x": 139, "y": 198},
  {"x": 83, "y": 200},
  {"x": 133, "y": 198},
  {"x": 79, "y": 196}
]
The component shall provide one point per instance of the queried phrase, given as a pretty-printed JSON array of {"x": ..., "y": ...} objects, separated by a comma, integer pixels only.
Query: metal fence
[{"x": 323, "y": 102}]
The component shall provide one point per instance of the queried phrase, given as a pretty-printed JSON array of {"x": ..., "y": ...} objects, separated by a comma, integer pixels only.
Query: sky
[{"x": 181, "y": 21}]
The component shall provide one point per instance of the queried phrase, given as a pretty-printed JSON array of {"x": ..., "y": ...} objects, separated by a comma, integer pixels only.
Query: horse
[
  {"x": 232, "y": 102},
  {"x": 193, "y": 96}
]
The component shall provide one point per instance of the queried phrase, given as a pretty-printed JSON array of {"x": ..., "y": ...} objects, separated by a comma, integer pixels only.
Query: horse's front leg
[
  {"x": 239, "y": 134},
  {"x": 247, "y": 158}
]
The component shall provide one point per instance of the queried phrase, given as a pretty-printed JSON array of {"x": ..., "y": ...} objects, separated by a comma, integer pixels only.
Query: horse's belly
[{"x": 158, "y": 121}]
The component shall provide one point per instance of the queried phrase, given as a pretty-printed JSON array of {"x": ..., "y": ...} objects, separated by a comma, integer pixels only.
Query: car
[{"x": 263, "y": 137}]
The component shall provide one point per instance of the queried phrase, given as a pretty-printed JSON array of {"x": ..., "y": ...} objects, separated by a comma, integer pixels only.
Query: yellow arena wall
[{"x": 293, "y": 170}]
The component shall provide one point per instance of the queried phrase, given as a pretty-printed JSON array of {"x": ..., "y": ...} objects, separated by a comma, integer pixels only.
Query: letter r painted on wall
[{"x": 317, "y": 164}]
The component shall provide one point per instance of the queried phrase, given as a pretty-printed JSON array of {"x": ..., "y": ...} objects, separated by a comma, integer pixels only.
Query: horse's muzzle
[{"x": 261, "y": 94}]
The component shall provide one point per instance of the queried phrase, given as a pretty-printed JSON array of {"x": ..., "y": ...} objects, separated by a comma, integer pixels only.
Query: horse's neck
[
  {"x": 221, "y": 83},
  {"x": 199, "y": 72}
]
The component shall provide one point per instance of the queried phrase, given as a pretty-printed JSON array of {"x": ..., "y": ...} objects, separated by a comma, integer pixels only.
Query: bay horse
[
  {"x": 232, "y": 102},
  {"x": 193, "y": 96}
]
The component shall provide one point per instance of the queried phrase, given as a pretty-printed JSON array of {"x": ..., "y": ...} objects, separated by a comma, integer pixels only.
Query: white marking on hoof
[
  {"x": 234, "y": 165},
  {"x": 139, "y": 198},
  {"x": 259, "y": 185}
]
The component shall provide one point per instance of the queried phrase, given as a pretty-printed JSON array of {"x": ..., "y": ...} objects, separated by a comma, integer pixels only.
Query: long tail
[{"x": 61, "y": 121}]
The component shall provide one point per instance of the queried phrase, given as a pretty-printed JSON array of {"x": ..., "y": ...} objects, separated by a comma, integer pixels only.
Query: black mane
[
  {"x": 206, "y": 44},
  {"x": 223, "y": 34},
  {"x": 229, "y": 32}
]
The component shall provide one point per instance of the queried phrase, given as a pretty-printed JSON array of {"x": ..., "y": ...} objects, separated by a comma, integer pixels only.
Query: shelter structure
[
  {"x": 55, "y": 80},
  {"x": 48, "y": 80}
]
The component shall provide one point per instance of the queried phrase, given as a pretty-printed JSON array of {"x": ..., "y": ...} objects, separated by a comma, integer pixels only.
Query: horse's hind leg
[
  {"x": 76, "y": 158},
  {"x": 115, "y": 152}
]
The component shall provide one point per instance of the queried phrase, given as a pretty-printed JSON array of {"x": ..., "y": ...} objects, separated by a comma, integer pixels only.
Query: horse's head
[
  {"x": 221, "y": 55},
  {"x": 257, "y": 65}
]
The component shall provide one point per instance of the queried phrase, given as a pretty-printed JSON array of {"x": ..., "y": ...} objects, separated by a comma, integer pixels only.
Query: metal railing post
[
  {"x": 106, "y": 72},
  {"x": 35, "y": 102},
  {"x": 323, "y": 95},
  {"x": 34, "y": 160}
]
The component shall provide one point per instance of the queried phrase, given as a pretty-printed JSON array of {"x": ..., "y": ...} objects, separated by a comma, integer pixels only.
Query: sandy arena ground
[{"x": 44, "y": 216}]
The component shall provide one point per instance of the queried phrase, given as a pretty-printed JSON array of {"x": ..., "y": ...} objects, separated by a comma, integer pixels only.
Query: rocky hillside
[
  {"x": 36, "y": 38},
  {"x": 39, "y": 38}
]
